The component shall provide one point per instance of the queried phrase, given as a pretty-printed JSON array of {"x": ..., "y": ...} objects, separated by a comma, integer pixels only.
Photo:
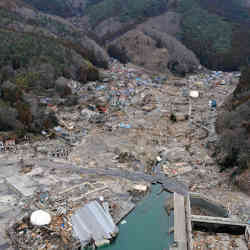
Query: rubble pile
[
  {"x": 57, "y": 233},
  {"x": 127, "y": 130},
  {"x": 203, "y": 240}
]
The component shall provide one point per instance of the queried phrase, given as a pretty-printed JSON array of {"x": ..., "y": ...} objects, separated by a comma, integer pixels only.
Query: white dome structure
[{"x": 40, "y": 218}]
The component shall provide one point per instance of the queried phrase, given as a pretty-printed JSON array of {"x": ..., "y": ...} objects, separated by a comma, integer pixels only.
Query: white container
[{"x": 40, "y": 218}]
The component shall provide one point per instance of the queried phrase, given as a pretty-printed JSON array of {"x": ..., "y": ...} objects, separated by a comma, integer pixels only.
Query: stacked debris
[
  {"x": 222, "y": 241},
  {"x": 59, "y": 224},
  {"x": 56, "y": 233},
  {"x": 120, "y": 129}
]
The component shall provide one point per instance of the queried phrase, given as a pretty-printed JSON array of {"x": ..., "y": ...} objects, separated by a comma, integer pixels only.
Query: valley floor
[{"x": 129, "y": 139}]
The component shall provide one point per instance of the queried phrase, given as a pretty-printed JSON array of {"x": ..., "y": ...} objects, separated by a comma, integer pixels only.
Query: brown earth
[{"x": 155, "y": 51}]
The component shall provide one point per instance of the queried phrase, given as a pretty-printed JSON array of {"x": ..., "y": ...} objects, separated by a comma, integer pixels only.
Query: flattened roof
[{"x": 91, "y": 221}]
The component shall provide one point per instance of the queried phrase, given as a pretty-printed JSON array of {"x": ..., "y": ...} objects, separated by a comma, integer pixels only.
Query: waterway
[{"x": 147, "y": 227}]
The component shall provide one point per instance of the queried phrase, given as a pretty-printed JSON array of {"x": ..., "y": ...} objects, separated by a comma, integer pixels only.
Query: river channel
[{"x": 147, "y": 227}]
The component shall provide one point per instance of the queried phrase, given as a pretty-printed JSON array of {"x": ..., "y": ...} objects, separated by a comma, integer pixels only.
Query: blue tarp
[
  {"x": 212, "y": 103},
  {"x": 123, "y": 125}
]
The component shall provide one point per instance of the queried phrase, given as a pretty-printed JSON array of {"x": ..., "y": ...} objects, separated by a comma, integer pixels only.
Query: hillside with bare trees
[
  {"x": 155, "y": 51},
  {"x": 233, "y": 126}
]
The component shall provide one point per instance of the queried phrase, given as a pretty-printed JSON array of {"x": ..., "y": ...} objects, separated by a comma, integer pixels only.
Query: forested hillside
[
  {"x": 65, "y": 8},
  {"x": 209, "y": 28},
  {"x": 212, "y": 30},
  {"x": 37, "y": 49},
  {"x": 233, "y": 126},
  {"x": 125, "y": 10}
]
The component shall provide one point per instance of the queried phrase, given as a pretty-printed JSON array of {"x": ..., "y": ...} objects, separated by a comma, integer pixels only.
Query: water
[{"x": 147, "y": 226}]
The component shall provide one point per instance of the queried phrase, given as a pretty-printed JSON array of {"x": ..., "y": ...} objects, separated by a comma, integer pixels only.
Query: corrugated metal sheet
[
  {"x": 81, "y": 232},
  {"x": 91, "y": 221}
]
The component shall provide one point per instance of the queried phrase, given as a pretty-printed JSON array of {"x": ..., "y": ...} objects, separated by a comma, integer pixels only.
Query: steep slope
[
  {"x": 29, "y": 67},
  {"x": 12, "y": 5},
  {"x": 169, "y": 22},
  {"x": 21, "y": 17},
  {"x": 233, "y": 125},
  {"x": 125, "y": 10},
  {"x": 65, "y": 8},
  {"x": 140, "y": 49},
  {"x": 155, "y": 51},
  {"x": 211, "y": 29},
  {"x": 36, "y": 49}
]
